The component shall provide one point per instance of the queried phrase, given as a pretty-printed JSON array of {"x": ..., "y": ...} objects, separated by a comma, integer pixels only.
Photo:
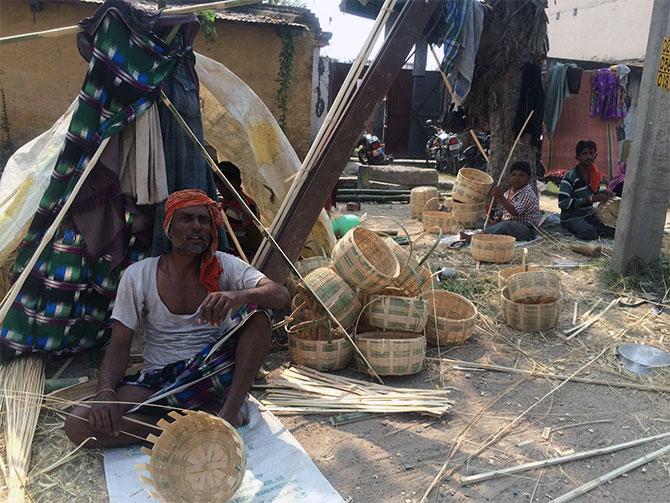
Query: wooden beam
[{"x": 304, "y": 201}]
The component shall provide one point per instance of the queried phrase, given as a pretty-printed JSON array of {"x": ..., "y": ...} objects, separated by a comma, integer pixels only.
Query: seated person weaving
[
  {"x": 579, "y": 189},
  {"x": 206, "y": 336},
  {"x": 518, "y": 209}
]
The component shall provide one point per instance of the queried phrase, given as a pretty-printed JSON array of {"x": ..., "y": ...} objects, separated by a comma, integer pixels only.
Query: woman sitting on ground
[{"x": 518, "y": 210}]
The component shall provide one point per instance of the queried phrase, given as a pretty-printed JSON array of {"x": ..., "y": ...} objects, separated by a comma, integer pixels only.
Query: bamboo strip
[
  {"x": 481, "y": 477},
  {"x": 584, "y": 488},
  {"x": 71, "y": 30},
  {"x": 509, "y": 157},
  {"x": 479, "y": 146},
  {"x": 602, "y": 382},
  {"x": 575, "y": 331}
]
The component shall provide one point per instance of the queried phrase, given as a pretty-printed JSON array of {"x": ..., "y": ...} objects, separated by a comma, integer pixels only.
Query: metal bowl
[{"x": 641, "y": 358}]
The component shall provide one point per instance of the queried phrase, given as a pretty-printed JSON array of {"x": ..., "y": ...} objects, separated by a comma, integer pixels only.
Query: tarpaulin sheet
[{"x": 558, "y": 152}]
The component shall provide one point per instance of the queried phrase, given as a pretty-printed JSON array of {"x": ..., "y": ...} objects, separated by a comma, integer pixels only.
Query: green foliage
[
  {"x": 207, "y": 19},
  {"x": 651, "y": 278},
  {"x": 470, "y": 286},
  {"x": 285, "y": 75}
]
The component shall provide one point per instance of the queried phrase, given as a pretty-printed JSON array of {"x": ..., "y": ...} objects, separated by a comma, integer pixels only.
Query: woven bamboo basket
[
  {"x": 466, "y": 218},
  {"x": 534, "y": 287},
  {"x": 665, "y": 245},
  {"x": 608, "y": 212},
  {"x": 493, "y": 248},
  {"x": 401, "y": 314},
  {"x": 530, "y": 317},
  {"x": 198, "y": 457},
  {"x": 423, "y": 199},
  {"x": 334, "y": 292},
  {"x": 365, "y": 261},
  {"x": 413, "y": 278},
  {"x": 304, "y": 267},
  {"x": 472, "y": 186},
  {"x": 392, "y": 353},
  {"x": 459, "y": 207},
  {"x": 437, "y": 221},
  {"x": 507, "y": 272},
  {"x": 451, "y": 318},
  {"x": 316, "y": 345}
]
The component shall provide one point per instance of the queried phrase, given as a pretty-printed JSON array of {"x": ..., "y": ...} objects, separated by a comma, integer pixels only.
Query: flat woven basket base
[{"x": 197, "y": 458}]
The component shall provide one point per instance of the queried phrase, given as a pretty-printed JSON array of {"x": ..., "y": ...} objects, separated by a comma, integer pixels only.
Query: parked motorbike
[
  {"x": 371, "y": 151},
  {"x": 472, "y": 157},
  {"x": 444, "y": 148}
]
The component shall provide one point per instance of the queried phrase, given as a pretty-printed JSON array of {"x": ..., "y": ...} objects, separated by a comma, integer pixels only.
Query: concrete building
[
  {"x": 40, "y": 78},
  {"x": 611, "y": 31}
]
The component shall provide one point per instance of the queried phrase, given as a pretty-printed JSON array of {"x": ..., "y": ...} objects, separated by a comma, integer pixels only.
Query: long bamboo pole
[
  {"x": 69, "y": 30},
  {"x": 481, "y": 477},
  {"x": 260, "y": 226},
  {"x": 584, "y": 488},
  {"x": 49, "y": 234},
  {"x": 509, "y": 157}
]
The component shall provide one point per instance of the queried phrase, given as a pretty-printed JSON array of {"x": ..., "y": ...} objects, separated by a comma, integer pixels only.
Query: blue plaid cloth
[{"x": 456, "y": 14}]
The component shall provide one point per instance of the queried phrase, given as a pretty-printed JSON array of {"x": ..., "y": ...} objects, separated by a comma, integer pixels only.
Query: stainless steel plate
[{"x": 641, "y": 358}]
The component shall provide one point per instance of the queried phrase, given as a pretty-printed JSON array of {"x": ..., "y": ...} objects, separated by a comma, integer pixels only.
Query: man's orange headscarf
[
  {"x": 210, "y": 268},
  {"x": 595, "y": 177}
]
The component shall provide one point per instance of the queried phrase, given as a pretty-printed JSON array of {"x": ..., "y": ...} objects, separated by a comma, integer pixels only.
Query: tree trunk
[{"x": 503, "y": 100}]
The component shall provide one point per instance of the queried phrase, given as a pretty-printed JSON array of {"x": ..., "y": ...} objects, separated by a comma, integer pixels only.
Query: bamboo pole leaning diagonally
[{"x": 71, "y": 30}]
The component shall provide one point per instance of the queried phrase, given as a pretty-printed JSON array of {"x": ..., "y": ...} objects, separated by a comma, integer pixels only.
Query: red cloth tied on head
[{"x": 210, "y": 267}]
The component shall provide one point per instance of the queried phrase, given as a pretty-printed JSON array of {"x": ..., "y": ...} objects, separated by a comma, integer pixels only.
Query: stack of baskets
[
  {"x": 531, "y": 301},
  {"x": 493, "y": 248},
  {"x": 393, "y": 342},
  {"x": 469, "y": 194}
]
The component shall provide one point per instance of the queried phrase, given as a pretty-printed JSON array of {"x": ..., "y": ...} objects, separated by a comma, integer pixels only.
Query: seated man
[
  {"x": 519, "y": 208},
  {"x": 579, "y": 189},
  {"x": 205, "y": 337},
  {"x": 245, "y": 230}
]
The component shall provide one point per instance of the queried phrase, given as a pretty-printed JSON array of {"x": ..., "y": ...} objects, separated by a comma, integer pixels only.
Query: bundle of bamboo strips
[
  {"x": 22, "y": 388},
  {"x": 301, "y": 390}
]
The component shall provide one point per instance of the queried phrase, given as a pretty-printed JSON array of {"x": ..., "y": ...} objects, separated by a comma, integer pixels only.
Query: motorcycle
[
  {"x": 472, "y": 157},
  {"x": 444, "y": 148},
  {"x": 371, "y": 151}
]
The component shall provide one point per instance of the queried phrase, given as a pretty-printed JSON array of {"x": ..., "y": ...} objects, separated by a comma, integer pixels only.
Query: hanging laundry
[
  {"x": 464, "y": 66},
  {"x": 531, "y": 97},
  {"x": 607, "y": 101},
  {"x": 455, "y": 13},
  {"x": 143, "y": 161},
  {"x": 556, "y": 91}
]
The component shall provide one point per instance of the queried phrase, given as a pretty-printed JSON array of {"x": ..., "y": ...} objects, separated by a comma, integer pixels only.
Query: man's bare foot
[{"x": 241, "y": 418}]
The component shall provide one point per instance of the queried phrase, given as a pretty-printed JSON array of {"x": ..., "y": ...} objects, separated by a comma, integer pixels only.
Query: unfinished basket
[
  {"x": 392, "y": 353},
  {"x": 318, "y": 354},
  {"x": 534, "y": 287},
  {"x": 451, "y": 318},
  {"x": 423, "y": 199},
  {"x": 493, "y": 248},
  {"x": 365, "y": 261},
  {"x": 460, "y": 207},
  {"x": 197, "y": 458},
  {"x": 402, "y": 314},
  {"x": 472, "y": 186},
  {"x": 334, "y": 292},
  {"x": 507, "y": 272},
  {"x": 413, "y": 278},
  {"x": 530, "y": 317},
  {"x": 608, "y": 212},
  {"x": 436, "y": 221},
  {"x": 466, "y": 218}
]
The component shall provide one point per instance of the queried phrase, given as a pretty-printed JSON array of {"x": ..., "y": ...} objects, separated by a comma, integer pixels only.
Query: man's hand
[
  {"x": 105, "y": 417},
  {"x": 216, "y": 306},
  {"x": 601, "y": 197}
]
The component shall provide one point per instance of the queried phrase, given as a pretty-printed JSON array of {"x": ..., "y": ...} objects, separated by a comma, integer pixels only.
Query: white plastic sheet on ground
[
  {"x": 278, "y": 468},
  {"x": 24, "y": 181},
  {"x": 242, "y": 129}
]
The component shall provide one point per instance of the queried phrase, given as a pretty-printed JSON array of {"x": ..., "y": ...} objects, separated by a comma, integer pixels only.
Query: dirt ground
[{"x": 396, "y": 457}]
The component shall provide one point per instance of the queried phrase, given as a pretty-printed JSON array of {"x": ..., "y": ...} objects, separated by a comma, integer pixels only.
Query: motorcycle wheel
[{"x": 362, "y": 157}]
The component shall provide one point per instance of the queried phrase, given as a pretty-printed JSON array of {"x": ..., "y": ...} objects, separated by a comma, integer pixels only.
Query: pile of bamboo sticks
[{"x": 301, "y": 390}]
